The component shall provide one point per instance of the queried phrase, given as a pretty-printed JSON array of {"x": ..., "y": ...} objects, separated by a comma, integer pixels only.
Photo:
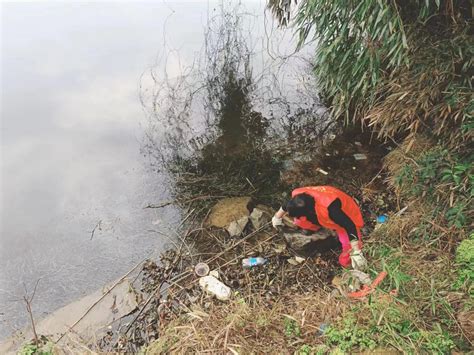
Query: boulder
[{"x": 229, "y": 210}]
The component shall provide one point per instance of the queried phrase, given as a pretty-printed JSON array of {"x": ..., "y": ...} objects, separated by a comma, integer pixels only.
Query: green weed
[
  {"x": 291, "y": 327},
  {"x": 465, "y": 264},
  {"x": 305, "y": 350},
  {"x": 44, "y": 348},
  {"x": 350, "y": 336},
  {"x": 444, "y": 179}
]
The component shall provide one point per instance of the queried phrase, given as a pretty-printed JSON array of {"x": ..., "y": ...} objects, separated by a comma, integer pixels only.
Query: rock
[
  {"x": 108, "y": 309},
  {"x": 296, "y": 240},
  {"x": 229, "y": 210},
  {"x": 259, "y": 217},
  {"x": 305, "y": 245},
  {"x": 236, "y": 228},
  {"x": 296, "y": 260},
  {"x": 299, "y": 259},
  {"x": 292, "y": 261}
]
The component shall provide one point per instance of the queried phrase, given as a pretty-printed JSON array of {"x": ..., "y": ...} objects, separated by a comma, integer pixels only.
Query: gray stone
[
  {"x": 236, "y": 228},
  {"x": 305, "y": 245},
  {"x": 259, "y": 217},
  {"x": 297, "y": 241}
]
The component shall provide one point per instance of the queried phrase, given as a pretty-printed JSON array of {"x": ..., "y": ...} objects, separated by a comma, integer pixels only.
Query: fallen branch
[
  {"x": 185, "y": 274},
  {"x": 28, "y": 301},
  {"x": 178, "y": 201}
]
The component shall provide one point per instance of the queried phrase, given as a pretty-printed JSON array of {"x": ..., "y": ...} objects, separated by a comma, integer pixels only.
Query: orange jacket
[{"x": 323, "y": 197}]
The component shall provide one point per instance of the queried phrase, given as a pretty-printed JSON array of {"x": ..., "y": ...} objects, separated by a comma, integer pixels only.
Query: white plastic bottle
[
  {"x": 251, "y": 262},
  {"x": 212, "y": 285}
]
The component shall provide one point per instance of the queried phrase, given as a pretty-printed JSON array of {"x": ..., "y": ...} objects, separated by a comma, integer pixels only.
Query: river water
[{"x": 82, "y": 112}]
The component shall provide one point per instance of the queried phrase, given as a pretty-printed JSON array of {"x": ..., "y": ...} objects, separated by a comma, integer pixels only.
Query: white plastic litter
[
  {"x": 359, "y": 156},
  {"x": 214, "y": 286}
]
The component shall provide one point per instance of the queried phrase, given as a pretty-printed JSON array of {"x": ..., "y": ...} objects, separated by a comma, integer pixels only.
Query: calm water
[
  {"x": 76, "y": 107},
  {"x": 71, "y": 136}
]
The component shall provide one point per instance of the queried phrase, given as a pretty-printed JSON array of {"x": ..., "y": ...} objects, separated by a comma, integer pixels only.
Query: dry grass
[
  {"x": 432, "y": 95},
  {"x": 423, "y": 272},
  {"x": 406, "y": 154},
  {"x": 249, "y": 326},
  {"x": 415, "y": 171}
]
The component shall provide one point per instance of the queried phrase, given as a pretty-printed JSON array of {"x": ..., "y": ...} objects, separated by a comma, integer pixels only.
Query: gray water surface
[
  {"x": 82, "y": 85},
  {"x": 71, "y": 136}
]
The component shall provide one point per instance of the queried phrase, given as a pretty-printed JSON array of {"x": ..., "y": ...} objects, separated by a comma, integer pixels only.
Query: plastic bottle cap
[{"x": 201, "y": 269}]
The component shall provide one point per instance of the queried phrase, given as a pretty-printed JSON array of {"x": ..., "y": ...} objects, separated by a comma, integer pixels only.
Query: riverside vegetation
[{"x": 400, "y": 71}]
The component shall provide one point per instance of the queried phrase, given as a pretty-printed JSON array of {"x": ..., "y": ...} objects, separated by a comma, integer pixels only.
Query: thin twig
[
  {"x": 28, "y": 301},
  {"x": 100, "y": 299},
  {"x": 198, "y": 198},
  {"x": 98, "y": 225}
]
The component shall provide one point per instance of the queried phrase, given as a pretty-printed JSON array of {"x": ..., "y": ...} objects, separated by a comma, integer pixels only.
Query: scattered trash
[
  {"x": 366, "y": 290},
  {"x": 323, "y": 328},
  {"x": 201, "y": 269},
  {"x": 359, "y": 144},
  {"x": 382, "y": 218},
  {"x": 324, "y": 172},
  {"x": 302, "y": 158},
  {"x": 361, "y": 276},
  {"x": 292, "y": 261},
  {"x": 214, "y": 273},
  {"x": 279, "y": 248},
  {"x": 299, "y": 259},
  {"x": 351, "y": 281},
  {"x": 336, "y": 281},
  {"x": 359, "y": 156},
  {"x": 251, "y": 262},
  {"x": 212, "y": 285},
  {"x": 296, "y": 260},
  {"x": 332, "y": 136}
]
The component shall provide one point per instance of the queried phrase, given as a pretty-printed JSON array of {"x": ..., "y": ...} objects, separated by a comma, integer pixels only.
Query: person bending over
[{"x": 314, "y": 207}]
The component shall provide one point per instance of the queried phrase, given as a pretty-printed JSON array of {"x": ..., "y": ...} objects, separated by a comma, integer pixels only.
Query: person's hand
[
  {"x": 277, "y": 221},
  {"x": 358, "y": 260}
]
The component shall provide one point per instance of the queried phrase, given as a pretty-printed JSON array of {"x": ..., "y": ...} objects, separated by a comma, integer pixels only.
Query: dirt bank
[{"x": 173, "y": 297}]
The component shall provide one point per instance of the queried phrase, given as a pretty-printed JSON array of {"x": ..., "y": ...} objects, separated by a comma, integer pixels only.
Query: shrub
[
  {"x": 465, "y": 263},
  {"x": 401, "y": 66}
]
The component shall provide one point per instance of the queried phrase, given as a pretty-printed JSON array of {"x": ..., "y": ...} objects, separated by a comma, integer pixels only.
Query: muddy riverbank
[{"x": 172, "y": 290}]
